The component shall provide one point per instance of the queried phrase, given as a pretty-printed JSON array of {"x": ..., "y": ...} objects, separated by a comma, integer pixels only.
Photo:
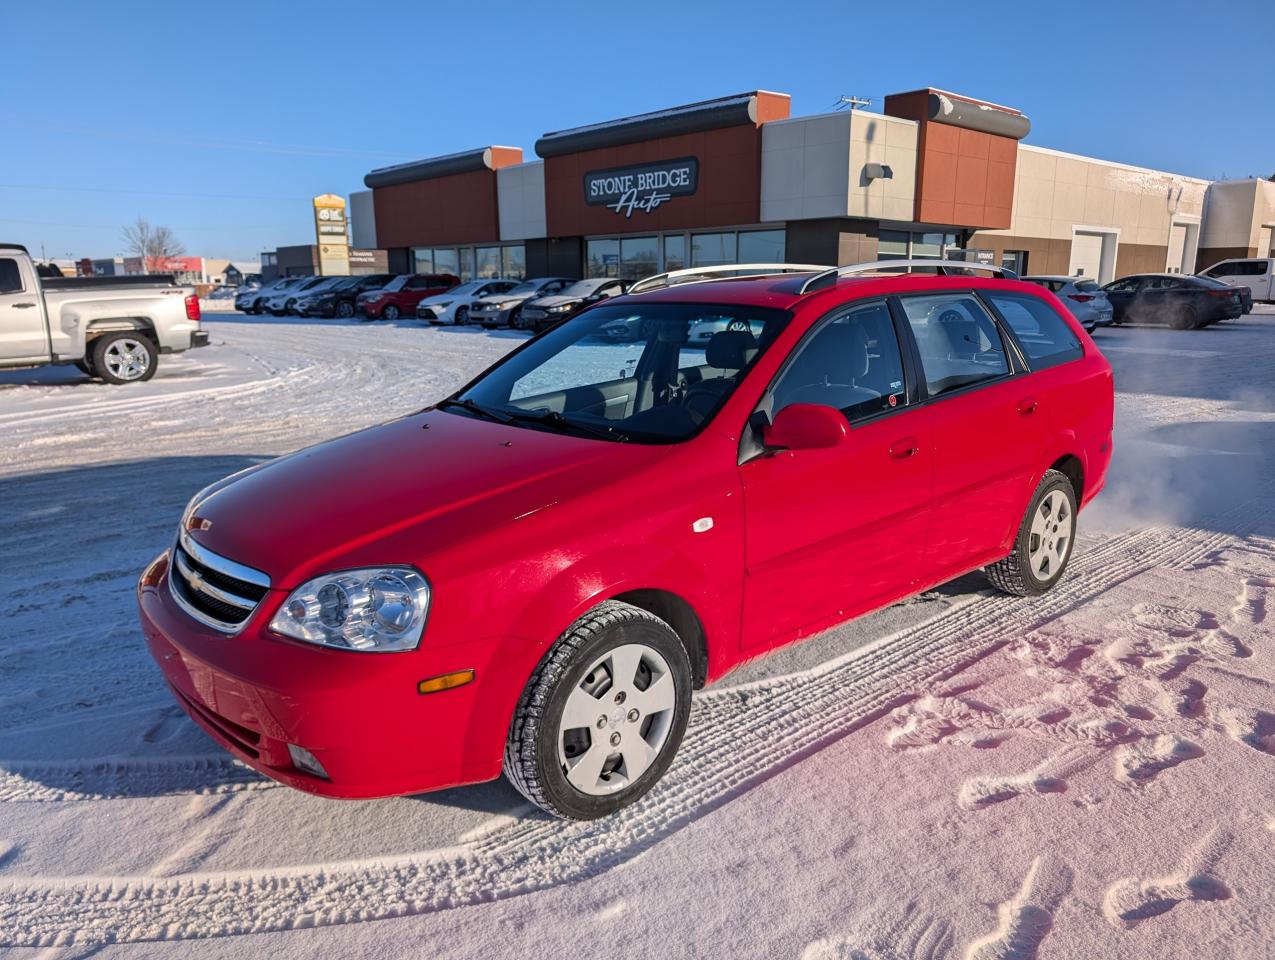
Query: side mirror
[{"x": 806, "y": 426}]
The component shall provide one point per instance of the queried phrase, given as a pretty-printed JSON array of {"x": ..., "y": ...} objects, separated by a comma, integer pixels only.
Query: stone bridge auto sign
[{"x": 643, "y": 187}]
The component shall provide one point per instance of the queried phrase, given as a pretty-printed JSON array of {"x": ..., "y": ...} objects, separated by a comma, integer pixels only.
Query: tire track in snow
[{"x": 741, "y": 737}]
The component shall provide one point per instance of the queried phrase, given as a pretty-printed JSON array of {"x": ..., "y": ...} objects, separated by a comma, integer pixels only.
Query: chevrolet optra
[{"x": 534, "y": 574}]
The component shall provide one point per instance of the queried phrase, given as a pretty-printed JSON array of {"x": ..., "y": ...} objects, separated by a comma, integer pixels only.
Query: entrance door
[
  {"x": 23, "y": 336},
  {"x": 832, "y": 531},
  {"x": 1086, "y": 255}
]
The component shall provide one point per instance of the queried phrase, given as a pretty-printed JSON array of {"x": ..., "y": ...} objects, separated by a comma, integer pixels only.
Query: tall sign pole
[{"x": 331, "y": 235}]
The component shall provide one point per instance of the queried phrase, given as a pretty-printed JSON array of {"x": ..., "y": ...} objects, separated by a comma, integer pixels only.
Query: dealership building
[{"x": 738, "y": 180}]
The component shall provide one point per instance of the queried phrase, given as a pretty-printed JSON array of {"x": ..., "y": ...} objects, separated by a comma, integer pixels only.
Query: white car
[
  {"x": 453, "y": 306},
  {"x": 1255, "y": 273},
  {"x": 282, "y": 303}
]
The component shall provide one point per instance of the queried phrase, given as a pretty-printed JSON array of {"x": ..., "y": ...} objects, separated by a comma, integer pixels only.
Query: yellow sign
[{"x": 331, "y": 235}]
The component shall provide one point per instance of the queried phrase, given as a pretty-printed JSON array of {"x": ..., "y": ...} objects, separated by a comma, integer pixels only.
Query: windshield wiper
[
  {"x": 476, "y": 408},
  {"x": 552, "y": 418}
]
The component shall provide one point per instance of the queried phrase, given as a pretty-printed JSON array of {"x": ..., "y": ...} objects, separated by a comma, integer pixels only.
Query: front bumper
[{"x": 359, "y": 714}]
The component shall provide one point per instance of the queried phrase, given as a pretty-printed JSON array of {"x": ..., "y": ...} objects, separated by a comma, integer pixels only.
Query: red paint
[
  {"x": 520, "y": 532},
  {"x": 405, "y": 299}
]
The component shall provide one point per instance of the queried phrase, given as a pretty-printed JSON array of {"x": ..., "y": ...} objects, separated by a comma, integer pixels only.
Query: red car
[
  {"x": 533, "y": 575},
  {"x": 400, "y": 296}
]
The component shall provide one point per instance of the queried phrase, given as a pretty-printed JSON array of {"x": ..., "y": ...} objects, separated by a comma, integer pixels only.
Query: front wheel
[
  {"x": 390, "y": 313},
  {"x": 1044, "y": 542},
  {"x": 124, "y": 358},
  {"x": 462, "y": 316},
  {"x": 345, "y": 310},
  {"x": 602, "y": 715}
]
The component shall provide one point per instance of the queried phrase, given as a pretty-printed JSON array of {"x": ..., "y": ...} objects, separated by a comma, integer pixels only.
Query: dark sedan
[
  {"x": 339, "y": 299},
  {"x": 543, "y": 312},
  {"x": 1182, "y": 301}
]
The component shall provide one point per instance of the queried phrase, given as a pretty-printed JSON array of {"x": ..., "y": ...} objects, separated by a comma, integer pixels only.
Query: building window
[
  {"x": 639, "y": 257},
  {"x": 892, "y": 245},
  {"x": 675, "y": 251},
  {"x": 916, "y": 245},
  {"x": 446, "y": 260},
  {"x": 1015, "y": 260},
  {"x": 761, "y": 246},
  {"x": 422, "y": 260},
  {"x": 487, "y": 265},
  {"x": 466, "y": 263},
  {"x": 514, "y": 261},
  {"x": 713, "y": 249},
  {"x": 602, "y": 258}
]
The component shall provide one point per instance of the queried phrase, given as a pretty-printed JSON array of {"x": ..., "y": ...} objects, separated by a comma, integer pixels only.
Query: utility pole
[{"x": 853, "y": 103}]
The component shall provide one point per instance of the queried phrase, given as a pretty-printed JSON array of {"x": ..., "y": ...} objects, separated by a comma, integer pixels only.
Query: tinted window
[
  {"x": 1127, "y": 285},
  {"x": 851, "y": 362},
  {"x": 1240, "y": 268},
  {"x": 10, "y": 278},
  {"x": 1087, "y": 286},
  {"x": 1045, "y": 337},
  {"x": 959, "y": 343}
]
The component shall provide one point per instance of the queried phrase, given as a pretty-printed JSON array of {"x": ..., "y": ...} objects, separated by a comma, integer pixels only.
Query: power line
[{"x": 150, "y": 193}]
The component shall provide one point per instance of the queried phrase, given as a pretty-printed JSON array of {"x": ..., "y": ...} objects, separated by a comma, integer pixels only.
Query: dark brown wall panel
[
  {"x": 1208, "y": 256},
  {"x": 461, "y": 208},
  {"x": 729, "y": 189}
]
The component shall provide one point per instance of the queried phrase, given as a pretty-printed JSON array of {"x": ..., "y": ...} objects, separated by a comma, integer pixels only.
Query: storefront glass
[
  {"x": 486, "y": 263},
  {"x": 905, "y": 245},
  {"x": 422, "y": 260},
  {"x": 514, "y": 261},
  {"x": 761, "y": 246},
  {"x": 675, "y": 251},
  {"x": 446, "y": 260},
  {"x": 892, "y": 245},
  {"x": 639, "y": 257},
  {"x": 467, "y": 263},
  {"x": 602, "y": 258},
  {"x": 712, "y": 249}
]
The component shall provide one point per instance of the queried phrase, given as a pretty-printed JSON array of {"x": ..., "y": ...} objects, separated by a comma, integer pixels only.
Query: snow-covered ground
[{"x": 1090, "y": 774}]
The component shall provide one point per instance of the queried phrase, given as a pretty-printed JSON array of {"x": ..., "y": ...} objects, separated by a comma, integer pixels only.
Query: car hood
[
  {"x": 398, "y": 491},
  {"x": 554, "y": 301},
  {"x": 505, "y": 298}
]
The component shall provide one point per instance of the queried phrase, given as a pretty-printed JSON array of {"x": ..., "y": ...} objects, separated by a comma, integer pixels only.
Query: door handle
[
  {"x": 1027, "y": 407},
  {"x": 21, "y": 306},
  {"x": 904, "y": 449}
]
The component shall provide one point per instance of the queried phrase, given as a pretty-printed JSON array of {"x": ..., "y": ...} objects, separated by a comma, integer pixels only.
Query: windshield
[
  {"x": 585, "y": 288},
  {"x": 397, "y": 283},
  {"x": 627, "y": 372},
  {"x": 1210, "y": 283},
  {"x": 314, "y": 282},
  {"x": 530, "y": 286},
  {"x": 465, "y": 288}
]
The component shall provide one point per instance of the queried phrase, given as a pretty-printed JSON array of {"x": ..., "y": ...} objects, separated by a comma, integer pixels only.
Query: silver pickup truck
[{"x": 114, "y": 328}]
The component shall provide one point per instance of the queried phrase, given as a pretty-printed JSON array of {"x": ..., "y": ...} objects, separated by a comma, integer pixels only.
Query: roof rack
[
  {"x": 944, "y": 267},
  {"x": 724, "y": 271}
]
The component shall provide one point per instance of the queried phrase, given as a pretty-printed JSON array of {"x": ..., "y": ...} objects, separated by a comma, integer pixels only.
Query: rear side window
[
  {"x": 1087, "y": 286},
  {"x": 959, "y": 343},
  {"x": 852, "y": 362},
  {"x": 1045, "y": 337},
  {"x": 10, "y": 278}
]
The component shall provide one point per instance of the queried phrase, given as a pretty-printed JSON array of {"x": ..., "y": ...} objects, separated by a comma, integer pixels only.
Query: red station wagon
[{"x": 534, "y": 574}]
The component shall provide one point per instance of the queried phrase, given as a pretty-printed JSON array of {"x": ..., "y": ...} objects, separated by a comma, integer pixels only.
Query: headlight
[
  {"x": 375, "y": 610},
  {"x": 440, "y": 305},
  {"x": 560, "y": 308}
]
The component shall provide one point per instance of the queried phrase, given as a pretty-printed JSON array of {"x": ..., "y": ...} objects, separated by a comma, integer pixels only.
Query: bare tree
[{"x": 150, "y": 243}]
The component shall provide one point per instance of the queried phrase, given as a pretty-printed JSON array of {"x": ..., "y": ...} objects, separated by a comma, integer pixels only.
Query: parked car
[
  {"x": 1254, "y": 274},
  {"x": 541, "y": 313},
  {"x": 402, "y": 294},
  {"x": 281, "y": 303},
  {"x": 113, "y": 328},
  {"x": 501, "y": 310},
  {"x": 339, "y": 299},
  {"x": 1180, "y": 300},
  {"x": 705, "y": 329},
  {"x": 1086, "y": 300},
  {"x": 550, "y": 560},
  {"x": 453, "y": 306},
  {"x": 254, "y": 301}
]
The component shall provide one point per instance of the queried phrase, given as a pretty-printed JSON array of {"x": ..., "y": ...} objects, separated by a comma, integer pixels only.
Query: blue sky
[{"x": 221, "y": 120}]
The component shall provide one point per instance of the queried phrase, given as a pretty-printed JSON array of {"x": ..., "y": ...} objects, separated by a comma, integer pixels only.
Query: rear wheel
[
  {"x": 345, "y": 309},
  {"x": 390, "y": 313},
  {"x": 124, "y": 358},
  {"x": 1044, "y": 542},
  {"x": 602, "y": 715},
  {"x": 1184, "y": 318}
]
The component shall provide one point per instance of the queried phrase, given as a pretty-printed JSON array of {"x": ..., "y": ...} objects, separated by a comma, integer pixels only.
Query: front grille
[{"x": 215, "y": 591}]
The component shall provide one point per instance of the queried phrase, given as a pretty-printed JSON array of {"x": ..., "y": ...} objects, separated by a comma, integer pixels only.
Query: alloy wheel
[{"x": 128, "y": 359}]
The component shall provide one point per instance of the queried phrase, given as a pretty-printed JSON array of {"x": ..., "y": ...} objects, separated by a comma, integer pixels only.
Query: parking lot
[{"x": 1142, "y": 685}]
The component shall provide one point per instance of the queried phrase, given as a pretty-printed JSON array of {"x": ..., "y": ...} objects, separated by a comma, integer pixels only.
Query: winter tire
[
  {"x": 462, "y": 316},
  {"x": 1183, "y": 318},
  {"x": 1044, "y": 542},
  {"x": 124, "y": 357},
  {"x": 390, "y": 313},
  {"x": 345, "y": 310},
  {"x": 602, "y": 715}
]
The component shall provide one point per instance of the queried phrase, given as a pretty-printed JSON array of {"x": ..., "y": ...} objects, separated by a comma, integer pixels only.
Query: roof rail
[
  {"x": 944, "y": 267},
  {"x": 724, "y": 271}
]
